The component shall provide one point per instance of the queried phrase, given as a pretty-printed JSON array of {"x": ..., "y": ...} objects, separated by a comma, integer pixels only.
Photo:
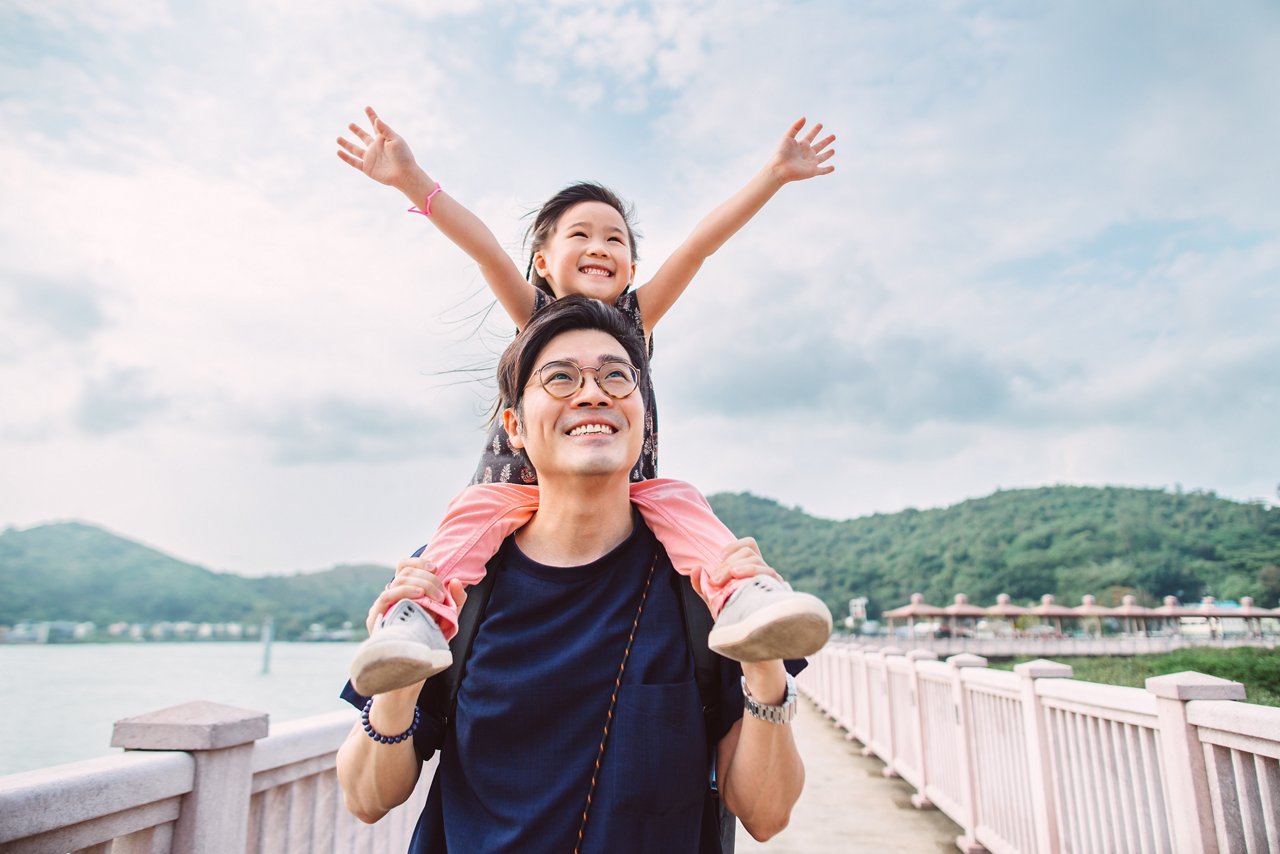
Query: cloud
[
  {"x": 1049, "y": 251},
  {"x": 70, "y": 310},
  {"x": 118, "y": 401},
  {"x": 348, "y": 430}
]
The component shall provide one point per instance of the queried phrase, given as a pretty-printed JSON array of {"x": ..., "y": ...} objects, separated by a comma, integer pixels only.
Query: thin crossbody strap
[{"x": 613, "y": 702}]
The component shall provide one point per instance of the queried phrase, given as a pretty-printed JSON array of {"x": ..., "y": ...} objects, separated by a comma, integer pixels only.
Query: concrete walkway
[{"x": 847, "y": 805}]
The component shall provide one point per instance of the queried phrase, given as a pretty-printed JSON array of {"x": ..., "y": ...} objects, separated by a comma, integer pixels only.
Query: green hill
[
  {"x": 74, "y": 571},
  {"x": 1063, "y": 540}
]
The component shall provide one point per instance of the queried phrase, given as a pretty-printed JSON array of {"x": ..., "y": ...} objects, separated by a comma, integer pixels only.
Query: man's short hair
[{"x": 566, "y": 314}]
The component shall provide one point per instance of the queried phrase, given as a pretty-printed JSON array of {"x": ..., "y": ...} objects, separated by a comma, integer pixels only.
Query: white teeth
[
  {"x": 591, "y": 428},
  {"x": 595, "y": 271}
]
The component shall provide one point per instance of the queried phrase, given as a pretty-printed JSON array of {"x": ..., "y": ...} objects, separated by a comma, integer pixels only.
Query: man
[{"x": 579, "y": 723}]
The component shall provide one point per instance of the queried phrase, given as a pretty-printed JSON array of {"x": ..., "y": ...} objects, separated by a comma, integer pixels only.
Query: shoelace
[{"x": 613, "y": 701}]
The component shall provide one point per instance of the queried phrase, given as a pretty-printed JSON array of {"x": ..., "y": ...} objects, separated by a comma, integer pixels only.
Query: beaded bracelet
[
  {"x": 425, "y": 210},
  {"x": 386, "y": 739}
]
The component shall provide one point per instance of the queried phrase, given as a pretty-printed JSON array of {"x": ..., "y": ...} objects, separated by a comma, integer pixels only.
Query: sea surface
[{"x": 60, "y": 700}]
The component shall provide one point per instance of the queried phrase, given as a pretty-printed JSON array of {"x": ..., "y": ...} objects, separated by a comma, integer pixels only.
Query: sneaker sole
[
  {"x": 387, "y": 666},
  {"x": 785, "y": 630}
]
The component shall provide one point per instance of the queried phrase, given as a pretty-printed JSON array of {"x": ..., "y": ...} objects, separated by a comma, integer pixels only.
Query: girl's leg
[
  {"x": 693, "y": 536},
  {"x": 473, "y": 528},
  {"x": 410, "y": 643},
  {"x": 757, "y": 619}
]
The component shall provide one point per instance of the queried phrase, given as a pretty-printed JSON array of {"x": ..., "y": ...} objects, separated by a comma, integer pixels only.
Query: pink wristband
[{"x": 426, "y": 206}]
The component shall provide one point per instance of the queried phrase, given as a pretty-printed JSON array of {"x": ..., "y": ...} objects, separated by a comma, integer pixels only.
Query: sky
[{"x": 1049, "y": 253}]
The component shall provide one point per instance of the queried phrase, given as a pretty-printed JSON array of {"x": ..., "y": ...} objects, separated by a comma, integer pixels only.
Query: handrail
[
  {"x": 1035, "y": 761},
  {"x": 229, "y": 780}
]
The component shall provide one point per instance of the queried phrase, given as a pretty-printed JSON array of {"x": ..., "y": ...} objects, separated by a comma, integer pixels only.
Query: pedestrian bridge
[{"x": 903, "y": 752}]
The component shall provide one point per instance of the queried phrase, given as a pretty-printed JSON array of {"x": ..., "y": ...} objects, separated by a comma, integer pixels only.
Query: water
[{"x": 60, "y": 701}]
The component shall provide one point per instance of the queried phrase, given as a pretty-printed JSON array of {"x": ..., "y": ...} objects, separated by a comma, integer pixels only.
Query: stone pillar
[
  {"x": 1039, "y": 768},
  {"x": 214, "y": 816},
  {"x": 968, "y": 820},
  {"x": 1186, "y": 778}
]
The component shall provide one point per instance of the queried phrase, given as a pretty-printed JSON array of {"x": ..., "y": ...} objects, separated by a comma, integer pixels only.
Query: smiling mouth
[
  {"x": 596, "y": 271},
  {"x": 592, "y": 429}
]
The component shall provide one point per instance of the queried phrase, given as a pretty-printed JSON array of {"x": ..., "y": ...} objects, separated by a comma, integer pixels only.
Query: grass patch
[{"x": 1257, "y": 669}]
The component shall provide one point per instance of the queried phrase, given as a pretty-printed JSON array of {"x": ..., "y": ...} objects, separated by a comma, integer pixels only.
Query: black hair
[{"x": 564, "y": 315}]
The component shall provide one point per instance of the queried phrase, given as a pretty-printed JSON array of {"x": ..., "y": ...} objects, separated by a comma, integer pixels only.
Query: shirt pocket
[{"x": 657, "y": 755}]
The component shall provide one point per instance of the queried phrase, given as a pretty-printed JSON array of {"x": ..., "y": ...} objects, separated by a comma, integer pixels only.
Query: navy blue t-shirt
[{"x": 516, "y": 764}]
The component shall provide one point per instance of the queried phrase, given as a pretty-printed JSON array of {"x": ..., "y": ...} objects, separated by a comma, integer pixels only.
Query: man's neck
[{"x": 578, "y": 522}]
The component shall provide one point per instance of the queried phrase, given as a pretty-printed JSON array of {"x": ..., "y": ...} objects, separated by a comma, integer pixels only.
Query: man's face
[{"x": 587, "y": 434}]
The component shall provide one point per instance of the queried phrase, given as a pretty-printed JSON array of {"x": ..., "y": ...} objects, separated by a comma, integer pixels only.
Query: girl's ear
[
  {"x": 512, "y": 425},
  {"x": 540, "y": 263}
]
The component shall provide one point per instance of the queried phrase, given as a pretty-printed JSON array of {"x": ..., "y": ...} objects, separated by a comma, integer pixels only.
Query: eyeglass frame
[{"x": 582, "y": 377}]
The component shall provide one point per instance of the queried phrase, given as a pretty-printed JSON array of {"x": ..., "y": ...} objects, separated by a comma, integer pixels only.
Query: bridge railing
[
  {"x": 1035, "y": 761},
  {"x": 196, "y": 778}
]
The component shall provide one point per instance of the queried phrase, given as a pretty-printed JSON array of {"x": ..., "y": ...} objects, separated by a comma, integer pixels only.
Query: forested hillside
[
  {"x": 74, "y": 571},
  {"x": 1062, "y": 540}
]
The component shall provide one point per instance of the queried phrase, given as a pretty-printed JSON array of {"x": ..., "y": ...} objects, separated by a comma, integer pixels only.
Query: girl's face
[{"x": 588, "y": 253}]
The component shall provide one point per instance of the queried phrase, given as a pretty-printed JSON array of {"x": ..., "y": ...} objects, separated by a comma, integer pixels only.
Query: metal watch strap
[{"x": 782, "y": 714}]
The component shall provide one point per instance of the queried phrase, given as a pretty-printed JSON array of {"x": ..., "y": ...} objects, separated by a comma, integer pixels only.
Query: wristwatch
[{"x": 782, "y": 714}]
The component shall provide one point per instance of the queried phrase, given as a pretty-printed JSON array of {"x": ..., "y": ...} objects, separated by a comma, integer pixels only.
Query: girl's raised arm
[
  {"x": 386, "y": 158},
  {"x": 795, "y": 159}
]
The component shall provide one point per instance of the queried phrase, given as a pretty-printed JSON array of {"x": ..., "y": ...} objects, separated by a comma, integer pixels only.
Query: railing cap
[
  {"x": 922, "y": 655},
  {"x": 200, "y": 725},
  {"x": 967, "y": 659},
  {"x": 1043, "y": 668},
  {"x": 1190, "y": 685}
]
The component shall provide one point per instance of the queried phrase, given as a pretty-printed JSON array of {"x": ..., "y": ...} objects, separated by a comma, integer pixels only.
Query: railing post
[
  {"x": 1185, "y": 776},
  {"x": 214, "y": 816},
  {"x": 894, "y": 718},
  {"x": 968, "y": 819},
  {"x": 1039, "y": 768},
  {"x": 918, "y": 800}
]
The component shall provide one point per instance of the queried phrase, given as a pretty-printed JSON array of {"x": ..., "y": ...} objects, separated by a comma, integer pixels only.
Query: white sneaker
[
  {"x": 405, "y": 647},
  {"x": 765, "y": 620}
]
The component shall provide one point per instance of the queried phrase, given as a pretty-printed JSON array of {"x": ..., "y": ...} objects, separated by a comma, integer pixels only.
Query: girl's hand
[
  {"x": 385, "y": 157},
  {"x": 415, "y": 578},
  {"x": 742, "y": 559},
  {"x": 798, "y": 158}
]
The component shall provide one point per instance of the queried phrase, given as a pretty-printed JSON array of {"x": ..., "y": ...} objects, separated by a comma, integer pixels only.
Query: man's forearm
[
  {"x": 765, "y": 774},
  {"x": 375, "y": 777}
]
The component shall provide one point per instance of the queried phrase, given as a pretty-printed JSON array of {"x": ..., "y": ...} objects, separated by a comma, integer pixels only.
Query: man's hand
[
  {"x": 385, "y": 157},
  {"x": 415, "y": 578},
  {"x": 798, "y": 158}
]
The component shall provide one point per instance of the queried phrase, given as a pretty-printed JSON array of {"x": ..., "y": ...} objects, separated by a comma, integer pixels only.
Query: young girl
[{"x": 582, "y": 242}]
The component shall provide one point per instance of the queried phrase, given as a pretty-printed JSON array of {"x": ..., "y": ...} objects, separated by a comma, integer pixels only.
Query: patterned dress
[{"x": 500, "y": 463}]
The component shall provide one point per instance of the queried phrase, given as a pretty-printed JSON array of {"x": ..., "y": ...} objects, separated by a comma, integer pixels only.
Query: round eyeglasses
[{"x": 564, "y": 378}]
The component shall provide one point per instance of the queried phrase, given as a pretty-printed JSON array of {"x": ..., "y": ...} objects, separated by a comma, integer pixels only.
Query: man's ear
[{"x": 511, "y": 424}]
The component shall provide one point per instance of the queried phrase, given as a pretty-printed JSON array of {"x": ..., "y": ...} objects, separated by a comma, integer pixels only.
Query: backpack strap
[
  {"x": 469, "y": 619},
  {"x": 718, "y": 824},
  {"x": 439, "y": 696},
  {"x": 706, "y": 664}
]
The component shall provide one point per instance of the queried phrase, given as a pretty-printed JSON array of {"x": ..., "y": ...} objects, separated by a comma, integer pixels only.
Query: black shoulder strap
[
  {"x": 469, "y": 619},
  {"x": 439, "y": 695},
  {"x": 718, "y": 824},
  {"x": 706, "y": 664}
]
